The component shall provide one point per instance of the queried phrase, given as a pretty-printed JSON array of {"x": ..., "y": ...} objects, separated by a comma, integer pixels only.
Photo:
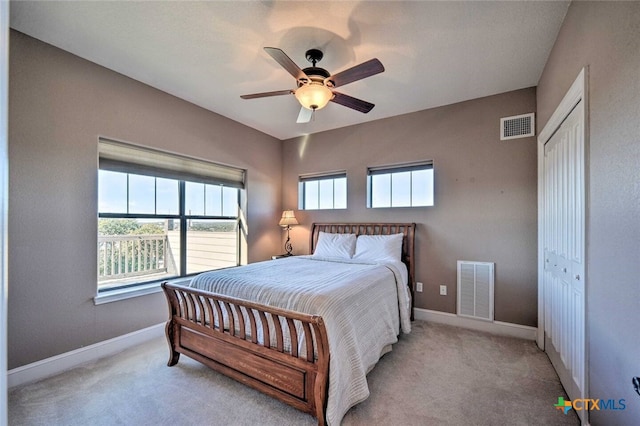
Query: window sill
[{"x": 128, "y": 293}]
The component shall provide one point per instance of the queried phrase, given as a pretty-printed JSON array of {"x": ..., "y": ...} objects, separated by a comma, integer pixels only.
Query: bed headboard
[{"x": 408, "y": 242}]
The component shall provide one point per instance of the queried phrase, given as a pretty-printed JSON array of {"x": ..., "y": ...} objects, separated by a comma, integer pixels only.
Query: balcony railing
[
  {"x": 125, "y": 256},
  {"x": 131, "y": 259}
]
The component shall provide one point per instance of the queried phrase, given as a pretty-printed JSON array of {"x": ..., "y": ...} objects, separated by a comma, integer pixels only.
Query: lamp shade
[
  {"x": 313, "y": 95},
  {"x": 288, "y": 218}
]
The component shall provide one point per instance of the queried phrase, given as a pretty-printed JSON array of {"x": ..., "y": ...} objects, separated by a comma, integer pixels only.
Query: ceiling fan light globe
[{"x": 313, "y": 96}]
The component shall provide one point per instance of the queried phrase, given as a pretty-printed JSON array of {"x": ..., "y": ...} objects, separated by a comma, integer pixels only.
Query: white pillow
[
  {"x": 335, "y": 245},
  {"x": 379, "y": 247}
]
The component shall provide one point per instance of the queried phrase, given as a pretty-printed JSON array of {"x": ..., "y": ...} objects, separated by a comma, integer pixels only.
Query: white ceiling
[{"x": 210, "y": 53}]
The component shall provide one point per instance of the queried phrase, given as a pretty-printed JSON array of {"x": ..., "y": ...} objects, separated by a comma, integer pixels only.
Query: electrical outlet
[
  {"x": 419, "y": 287},
  {"x": 443, "y": 290}
]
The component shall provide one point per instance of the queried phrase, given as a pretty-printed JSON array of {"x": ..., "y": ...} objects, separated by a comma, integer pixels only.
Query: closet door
[{"x": 564, "y": 251}]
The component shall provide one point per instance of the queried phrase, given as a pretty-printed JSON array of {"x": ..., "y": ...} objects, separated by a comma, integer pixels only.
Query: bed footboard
[{"x": 284, "y": 354}]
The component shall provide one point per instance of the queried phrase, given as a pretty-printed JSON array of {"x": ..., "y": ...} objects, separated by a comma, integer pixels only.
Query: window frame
[
  {"x": 399, "y": 168},
  {"x": 182, "y": 216},
  {"x": 303, "y": 180}
]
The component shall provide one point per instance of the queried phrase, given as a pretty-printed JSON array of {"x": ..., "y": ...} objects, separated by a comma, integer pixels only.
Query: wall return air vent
[
  {"x": 518, "y": 126},
  {"x": 475, "y": 289}
]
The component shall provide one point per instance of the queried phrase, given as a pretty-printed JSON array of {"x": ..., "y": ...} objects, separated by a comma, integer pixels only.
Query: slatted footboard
[{"x": 281, "y": 353}]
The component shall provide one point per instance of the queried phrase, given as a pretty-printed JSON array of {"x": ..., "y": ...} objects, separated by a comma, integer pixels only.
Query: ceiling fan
[{"x": 315, "y": 84}]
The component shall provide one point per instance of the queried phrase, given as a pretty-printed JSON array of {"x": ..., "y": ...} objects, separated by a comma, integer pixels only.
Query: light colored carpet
[{"x": 437, "y": 375}]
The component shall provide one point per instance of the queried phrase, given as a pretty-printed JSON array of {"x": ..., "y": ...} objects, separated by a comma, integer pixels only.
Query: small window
[
  {"x": 406, "y": 185},
  {"x": 322, "y": 191}
]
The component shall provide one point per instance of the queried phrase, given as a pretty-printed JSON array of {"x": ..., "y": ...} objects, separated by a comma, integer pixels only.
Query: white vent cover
[
  {"x": 518, "y": 126},
  {"x": 475, "y": 289}
]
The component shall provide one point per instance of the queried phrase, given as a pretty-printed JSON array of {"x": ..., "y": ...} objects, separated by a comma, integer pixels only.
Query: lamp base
[
  {"x": 288, "y": 248},
  {"x": 287, "y": 245}
]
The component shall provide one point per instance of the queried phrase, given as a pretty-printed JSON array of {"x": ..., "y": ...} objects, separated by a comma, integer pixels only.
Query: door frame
[
  {"x": 4, "y": 200},
  {"x": 576, "y": 93}
]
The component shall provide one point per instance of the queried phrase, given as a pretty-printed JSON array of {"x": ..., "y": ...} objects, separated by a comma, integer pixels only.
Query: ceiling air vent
[{"x": 518, "y": 126}]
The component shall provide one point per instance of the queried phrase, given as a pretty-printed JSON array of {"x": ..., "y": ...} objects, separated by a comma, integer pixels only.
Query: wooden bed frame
[{"x": 212, "y": 329}]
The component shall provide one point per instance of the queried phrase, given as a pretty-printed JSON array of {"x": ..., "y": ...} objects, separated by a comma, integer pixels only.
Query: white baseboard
[
  {"x": 495, "y": 327},
  {"x": 57, "y": 364}
]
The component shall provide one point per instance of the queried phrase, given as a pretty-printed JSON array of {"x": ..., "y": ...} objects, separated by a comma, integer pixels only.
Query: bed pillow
[
  {"x": 335, "y": 245},
  {"x": 379, "y": 247}
]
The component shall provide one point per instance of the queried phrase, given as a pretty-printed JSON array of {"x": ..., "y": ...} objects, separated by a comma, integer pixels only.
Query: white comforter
[{"x": 364, "y": 305}]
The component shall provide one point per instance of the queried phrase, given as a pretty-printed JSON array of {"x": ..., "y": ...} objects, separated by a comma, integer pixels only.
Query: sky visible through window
[
  {"x": 159, "y": 196},
  {"x": 323, "y": 194},
  {"x": 402, "y": 189}
]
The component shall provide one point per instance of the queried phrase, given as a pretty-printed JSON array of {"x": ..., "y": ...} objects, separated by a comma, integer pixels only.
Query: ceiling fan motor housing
[{"x": 317, "y": 75}]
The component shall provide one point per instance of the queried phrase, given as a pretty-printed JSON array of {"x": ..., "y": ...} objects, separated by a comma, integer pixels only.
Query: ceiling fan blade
[
  {"x": 286, "y": 63},
  {"x": 364, "y": 70},
  {"x": 351, "y": 102},
  {"x": 266, "y": 94},
  {"x": 305, "y": 115}
]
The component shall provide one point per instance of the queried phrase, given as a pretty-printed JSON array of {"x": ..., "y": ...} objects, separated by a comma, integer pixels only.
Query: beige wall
[
  {"x": 59, "y": 105},
  {"x": 485, "y": 194},
  {"x": 605, "y": 37}
]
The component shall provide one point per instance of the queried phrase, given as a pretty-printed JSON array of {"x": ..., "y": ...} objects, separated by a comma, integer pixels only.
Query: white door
[{"x": 563, "y": 239}]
